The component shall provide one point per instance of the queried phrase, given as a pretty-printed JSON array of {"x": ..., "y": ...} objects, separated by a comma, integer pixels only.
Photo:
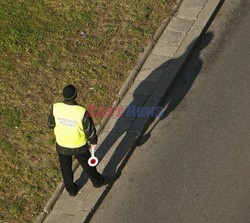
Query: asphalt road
[{"x": 195, "y": 166}]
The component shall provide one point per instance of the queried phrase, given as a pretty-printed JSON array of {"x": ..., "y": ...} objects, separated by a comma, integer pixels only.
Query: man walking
[{"x": 73, "y": 129}]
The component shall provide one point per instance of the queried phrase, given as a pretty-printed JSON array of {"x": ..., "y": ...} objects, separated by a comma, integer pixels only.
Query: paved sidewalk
[{"x": 120, "y": 135}]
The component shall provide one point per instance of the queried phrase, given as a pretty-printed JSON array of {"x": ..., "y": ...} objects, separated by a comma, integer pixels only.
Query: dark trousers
[{"x": 68, "y": 175}]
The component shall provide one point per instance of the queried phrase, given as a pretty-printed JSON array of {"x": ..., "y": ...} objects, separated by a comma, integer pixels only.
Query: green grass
[
  {"x": 12, "y": 117},
  {"x": 41, "y": 50}
]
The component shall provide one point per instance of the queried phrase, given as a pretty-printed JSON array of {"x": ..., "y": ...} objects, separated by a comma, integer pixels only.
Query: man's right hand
[{"x": 93, "y": 146}]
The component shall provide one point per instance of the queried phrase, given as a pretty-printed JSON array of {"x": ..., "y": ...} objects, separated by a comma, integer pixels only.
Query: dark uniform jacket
[{"x": 89, "y": 129}]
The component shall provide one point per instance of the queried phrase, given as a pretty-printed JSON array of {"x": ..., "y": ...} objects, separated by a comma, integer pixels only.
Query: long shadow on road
[
  {"x": 183, "y": 84},
  {"x": 121, "y": 140}
]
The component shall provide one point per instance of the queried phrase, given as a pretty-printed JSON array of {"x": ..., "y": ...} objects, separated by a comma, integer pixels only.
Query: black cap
[{"x": 69, "y": 93}]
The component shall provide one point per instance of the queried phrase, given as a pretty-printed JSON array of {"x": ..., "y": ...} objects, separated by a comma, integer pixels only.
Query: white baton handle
[{"x": 92, "y": 161}]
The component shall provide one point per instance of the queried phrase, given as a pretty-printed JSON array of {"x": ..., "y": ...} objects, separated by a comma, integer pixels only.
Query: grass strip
[{"x": 45, "y": 45}]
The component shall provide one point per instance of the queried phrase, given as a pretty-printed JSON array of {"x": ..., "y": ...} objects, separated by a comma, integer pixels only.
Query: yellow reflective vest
[{"x": 69, "y": 130}]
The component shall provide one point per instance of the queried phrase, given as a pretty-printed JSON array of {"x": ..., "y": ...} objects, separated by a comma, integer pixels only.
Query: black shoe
[
  {"x": 73, "y": 194},
  {"x": 104, "y": 182},
  {"x": 76, "y": 191}
]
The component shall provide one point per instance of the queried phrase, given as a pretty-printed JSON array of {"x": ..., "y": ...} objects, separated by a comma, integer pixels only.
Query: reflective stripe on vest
[{"x": 69, "y": 131}]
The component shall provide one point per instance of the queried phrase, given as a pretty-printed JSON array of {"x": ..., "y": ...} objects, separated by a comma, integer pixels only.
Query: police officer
[{"x": 73, "y": 128}]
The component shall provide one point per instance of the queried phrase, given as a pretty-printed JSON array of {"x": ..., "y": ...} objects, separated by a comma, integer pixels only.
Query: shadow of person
[
  {"x": 118, "y": 140},
  {"x": 182, "y": 85}
]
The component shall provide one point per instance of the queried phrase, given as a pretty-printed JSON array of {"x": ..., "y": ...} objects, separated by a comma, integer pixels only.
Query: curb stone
[{"x": 213, "y": 5}]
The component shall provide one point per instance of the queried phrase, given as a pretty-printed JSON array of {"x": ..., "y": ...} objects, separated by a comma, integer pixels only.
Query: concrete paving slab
[
  {"x": 196, "y": 30},
  {"x": 81, "y": 196},
  {"x": 187, "y": 45},
  {"x": 68, "y": 206},
  {"x": 121, "y": 151},
  {"x": 105, "y": 140},
  {"x": 133, "y": 99},
  {"x": 117, "y": 144},
  {"x": 152, "y": 102},
  {"x": 172, "y": 37},
  {"x": 180, "y": 25},
  {"x": 190, "y": 9},
  {"x": 163, "y": 49},
  {"x": 149, "y": 75},
  {"x": 206, "y": 14},
  {"x": 139, "y": 125},
  {"x": 107, "y": 147},
  {"x": 166, "y": 79},
  {"x": 147, "y": 114},
  {"x": 142, "y": 87},
  {"x": 193, "y": 3},
  {"x": 93, "y": 196},
  {"x": 78, "y": 218},
  {"x": 59, "y": 217},
  {"x": 118, "y": 124},
  {"x": 189, "y": 13},
  {"x": 110, "y": 144},
  {"x": 154, "y": 61}
]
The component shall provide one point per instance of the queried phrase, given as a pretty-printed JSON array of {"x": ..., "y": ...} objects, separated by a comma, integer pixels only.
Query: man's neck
[{"x": 70, "y": 102}]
